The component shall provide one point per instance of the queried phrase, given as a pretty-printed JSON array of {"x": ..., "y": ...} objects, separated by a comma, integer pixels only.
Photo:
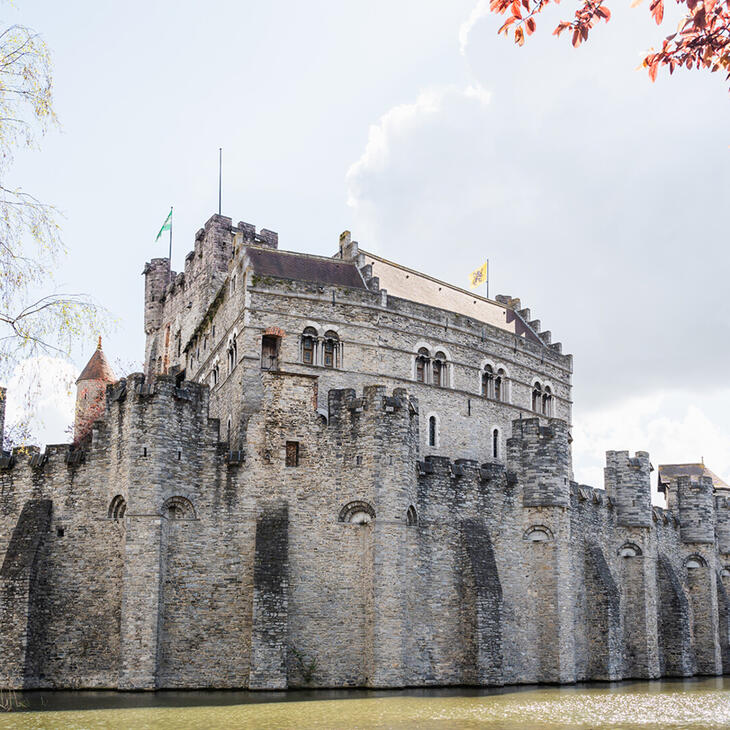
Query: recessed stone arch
[
  {"x": 694, "y": 561},
  {"x": 411, "y": 516},
  {"x": 117, "y": 508},
  {"x": 629, "y": 550},
  {"x": 178, "y": 508},
  {"x": 538, "y": 533},
  {"x": 357, "y": 512}
]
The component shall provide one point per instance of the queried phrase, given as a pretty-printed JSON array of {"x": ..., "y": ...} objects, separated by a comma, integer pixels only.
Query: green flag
[{"x": 166, "y": 226}]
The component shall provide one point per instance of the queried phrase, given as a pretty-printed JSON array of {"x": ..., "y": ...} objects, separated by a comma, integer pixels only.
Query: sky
[{"x": 600, "y": 199}]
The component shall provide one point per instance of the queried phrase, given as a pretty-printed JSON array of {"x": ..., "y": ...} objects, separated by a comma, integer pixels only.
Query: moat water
[{"x": 685, "y": 705}]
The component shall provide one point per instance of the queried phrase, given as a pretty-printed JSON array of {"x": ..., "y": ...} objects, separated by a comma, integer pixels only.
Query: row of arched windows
[
  {"x": 174, "y": 508},
  {"x": 432, "y": 370},
  {"x": 361, "y": 513},
  {"x": 542, "y": 399},
  {"x": 324, "y": 351},
  {"x": 494, "y": 383}
]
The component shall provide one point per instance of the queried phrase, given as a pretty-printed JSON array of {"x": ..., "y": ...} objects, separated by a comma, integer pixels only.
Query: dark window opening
[
  {"x": 422, "y": 365},
  {"x": 547, "y": 398},
  {"x": 495, "y": 443},
  {"x": 487, "y": 381},
  {"x": 60, "y": 531},
  {"x": 411, "y": 516},
  {"x": 536, "y": 397},
  {"x": 432, "y": 431},
  {"x": 292, "y": 453}
]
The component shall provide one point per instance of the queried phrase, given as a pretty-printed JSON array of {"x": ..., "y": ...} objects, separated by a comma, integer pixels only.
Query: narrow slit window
[
  {"x": 432, "y": 431},
  {"x": 292, "y": 453},
  {"x": 495, "y": 443}
]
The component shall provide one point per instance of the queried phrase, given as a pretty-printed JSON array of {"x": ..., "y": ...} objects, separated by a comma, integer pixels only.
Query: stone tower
[{"x": 91, "y": 392}]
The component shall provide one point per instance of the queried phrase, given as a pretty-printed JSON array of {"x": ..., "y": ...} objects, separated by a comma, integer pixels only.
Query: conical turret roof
[{"x": 97, "y": 368}]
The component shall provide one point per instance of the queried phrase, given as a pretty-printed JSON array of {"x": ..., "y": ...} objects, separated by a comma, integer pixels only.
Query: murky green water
[{"x": 639, "y": 705}]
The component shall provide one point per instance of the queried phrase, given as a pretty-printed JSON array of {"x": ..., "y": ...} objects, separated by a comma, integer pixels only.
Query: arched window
[
  {"x": 232, "y": 354},
  {"x": 432, "y": 431},
  {"x": 536, "y": 397},
  {"x": 538, "y": 533},
  {"x": 309, "y": 340},
  {"x": 228, "y": 433},
  {"x": 358, "y": 513},
  {"x": 495, "y": 443},
  {"x": 547, "y": 401},
  {"x": 117, "y": 507},
  {"x": 215, "y": 375},
  {"x": 411, "y": 516},
  {"x": 488, "y": 381},
  {"x": 178, "y": 508},
  {"x": 629, "y": 550},
  {"x": 422, "y": 360},
  {"x": 331, "y": 349},
  {"x": 695, "y": 561},
  {"x": 438, "y": 369},
  {"x": 500, "y": 385}
]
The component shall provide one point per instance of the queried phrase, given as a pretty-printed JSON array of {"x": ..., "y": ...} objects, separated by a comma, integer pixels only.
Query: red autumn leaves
[{"x": 702, "y": 39}]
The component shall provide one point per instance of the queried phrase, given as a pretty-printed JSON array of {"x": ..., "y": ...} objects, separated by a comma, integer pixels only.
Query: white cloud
[
  {"x": 41, "y": 395},
  {"x": 673, "y": 426},
  {"x": 480, "y": 10}
]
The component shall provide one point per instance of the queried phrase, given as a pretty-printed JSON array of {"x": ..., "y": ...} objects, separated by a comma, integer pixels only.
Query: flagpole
[
  {"x": 220, "y": 177},
  {"x": 170, "y": 254},
  {"x": 487, "y": 278}
]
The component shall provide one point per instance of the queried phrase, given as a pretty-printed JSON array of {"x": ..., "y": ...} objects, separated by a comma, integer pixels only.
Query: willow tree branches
[{"x": 34, "y": 317}]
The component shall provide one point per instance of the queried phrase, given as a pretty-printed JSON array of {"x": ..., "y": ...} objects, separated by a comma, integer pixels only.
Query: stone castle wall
[
  {"x": 237, "y": 570},
  {"x": 294, "y": 526}
]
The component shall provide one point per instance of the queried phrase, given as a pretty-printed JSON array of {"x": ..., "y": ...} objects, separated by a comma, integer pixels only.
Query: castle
[{"x": 339, "y": 472}]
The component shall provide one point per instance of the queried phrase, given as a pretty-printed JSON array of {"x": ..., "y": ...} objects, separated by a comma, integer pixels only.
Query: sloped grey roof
[
  {"x": 669, "y": 473},
  {"x": 304, "y": 267}
]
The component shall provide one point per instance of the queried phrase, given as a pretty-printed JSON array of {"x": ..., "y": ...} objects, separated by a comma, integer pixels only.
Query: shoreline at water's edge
[{"x": 39, "y": 700}]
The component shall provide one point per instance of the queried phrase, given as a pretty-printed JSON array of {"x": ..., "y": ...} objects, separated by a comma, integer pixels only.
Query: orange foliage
[{"x": 702, "y": 39}]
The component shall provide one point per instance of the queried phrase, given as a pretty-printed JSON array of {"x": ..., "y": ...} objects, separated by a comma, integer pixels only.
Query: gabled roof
[
  {"x": 304, "y": 267},
  {"x": 669, "y": 473},
  {"x": 97, "y": 368}
]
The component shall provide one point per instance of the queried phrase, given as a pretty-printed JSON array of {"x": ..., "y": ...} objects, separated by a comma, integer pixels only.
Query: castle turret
[
  {"x": 722, "y": 528},
  {"x": 540, "y": 455},
  {"x": 156, "y": 278},
  {"x": 696, "y": 509},
  {"x": 91, "y": 392},
  {"x": 628, "y": 481}
]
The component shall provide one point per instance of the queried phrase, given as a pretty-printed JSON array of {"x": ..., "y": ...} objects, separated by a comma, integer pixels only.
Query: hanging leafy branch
[
  {"x": 34, "y": 318},
  {"x": 701, "y": 41}
]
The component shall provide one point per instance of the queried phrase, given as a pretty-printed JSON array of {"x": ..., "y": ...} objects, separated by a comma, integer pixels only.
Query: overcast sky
[{"x": 600, "y": 199}]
